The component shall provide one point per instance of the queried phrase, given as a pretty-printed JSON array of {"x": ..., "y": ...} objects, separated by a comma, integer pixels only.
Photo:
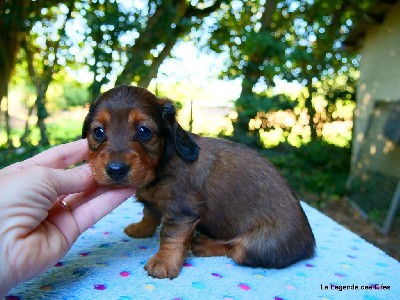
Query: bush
[
  {"x": 9, "y": 156},
  {"x": 75, "y": 94},
  {"x": 315, "y": 168}
]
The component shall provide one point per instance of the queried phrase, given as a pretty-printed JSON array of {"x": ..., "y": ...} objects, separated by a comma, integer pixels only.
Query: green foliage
[
  {"x": 302, "y": 41},
  {"x": 337, "y": 90},
  {"x": 320, "y": 154},
  {"x": 314, "y": 168},
  {"x": 75, "y": 95},
  {"x": 262, "y": 40},
  {"x": 252, "y": 106},
  {"x": 64, "y": 131},
  {"x": 9, "y": 156},
  {"x": 108, "y": 26}
]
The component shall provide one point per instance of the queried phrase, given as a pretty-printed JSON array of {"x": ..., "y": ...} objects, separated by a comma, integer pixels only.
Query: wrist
[
  {"x": 6, "y": 276},
  {"x": 4, "y": 286}
]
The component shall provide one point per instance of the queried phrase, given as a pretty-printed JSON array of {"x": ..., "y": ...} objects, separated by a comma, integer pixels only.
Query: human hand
[{"x": 36, "y": 231}]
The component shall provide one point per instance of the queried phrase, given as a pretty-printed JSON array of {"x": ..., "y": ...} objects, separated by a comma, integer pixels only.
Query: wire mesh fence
[{"x": 374, "y": 182}]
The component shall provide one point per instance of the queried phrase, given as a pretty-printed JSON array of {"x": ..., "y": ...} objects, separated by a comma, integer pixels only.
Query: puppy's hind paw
[
  {"x": 200, "y": 245},
  {"x": 204, "y": 246},
  {"x": 139, "y": 230}
]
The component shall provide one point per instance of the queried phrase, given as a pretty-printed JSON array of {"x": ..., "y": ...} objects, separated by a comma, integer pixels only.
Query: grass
[{"x": 61, "y": 130}]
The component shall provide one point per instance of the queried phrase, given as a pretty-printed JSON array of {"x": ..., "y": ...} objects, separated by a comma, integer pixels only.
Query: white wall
[{"x": 379, "y": 70}]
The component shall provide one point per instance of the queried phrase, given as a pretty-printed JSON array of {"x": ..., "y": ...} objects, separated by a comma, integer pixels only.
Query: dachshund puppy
[{"x": 236, "y": 201}]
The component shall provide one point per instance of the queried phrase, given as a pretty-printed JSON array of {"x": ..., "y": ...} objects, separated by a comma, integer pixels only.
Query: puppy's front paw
[
  {"x": 162, "y": 266},
  {"x": 139, "y": 230}
]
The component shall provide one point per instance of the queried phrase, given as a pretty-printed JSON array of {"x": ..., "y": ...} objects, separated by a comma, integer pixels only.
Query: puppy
[{"x": 236, "y": 201}]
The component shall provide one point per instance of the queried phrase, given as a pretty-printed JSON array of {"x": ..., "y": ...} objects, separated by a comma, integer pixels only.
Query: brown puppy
[{"x": 237, "y": 200}]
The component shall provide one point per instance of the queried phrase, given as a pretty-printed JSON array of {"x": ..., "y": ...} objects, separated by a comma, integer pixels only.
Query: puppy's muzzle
[{"x": 117, "y": 170}]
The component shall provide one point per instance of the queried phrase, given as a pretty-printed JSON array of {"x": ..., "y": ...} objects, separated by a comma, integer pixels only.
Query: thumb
[{"x": 71, "y": 181}]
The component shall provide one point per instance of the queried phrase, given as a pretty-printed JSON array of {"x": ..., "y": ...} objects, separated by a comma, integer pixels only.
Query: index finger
[{"x": 59, "y": 157}]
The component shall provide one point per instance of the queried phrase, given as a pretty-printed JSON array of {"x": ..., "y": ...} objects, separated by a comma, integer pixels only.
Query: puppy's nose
[{"x": 117, "y": 170}]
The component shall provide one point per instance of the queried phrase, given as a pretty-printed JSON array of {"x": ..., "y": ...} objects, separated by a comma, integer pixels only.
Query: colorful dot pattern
[{"x": 106, "y": 264}]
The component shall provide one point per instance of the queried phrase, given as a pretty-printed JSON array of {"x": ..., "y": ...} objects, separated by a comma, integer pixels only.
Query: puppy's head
[{"x": 131, "y": 133}]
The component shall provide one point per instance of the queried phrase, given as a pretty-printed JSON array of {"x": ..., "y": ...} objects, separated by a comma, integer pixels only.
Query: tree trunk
[
  {"x": 8, "y": 126},
  {"x": 8, "y": 52},
  {"x": 9, "y": 44},
  {"x": 42, "y": 113},
  {"x": 13, "y": 17},
  {"x": 24, "y": 137},
  {"x": 41, "y": 83},
  {"x": 43, "y": 80},
  {"x": 160, "y": 22},
  {"x": 252, "y": 73},
  {"x": 152, "y": 70},
  {"x": 311, "y": 111},
  {"x": 171, "y": 20}
]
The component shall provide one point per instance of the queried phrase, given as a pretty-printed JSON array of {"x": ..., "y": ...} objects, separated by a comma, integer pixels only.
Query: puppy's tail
[{"x": 261, "y": 248}]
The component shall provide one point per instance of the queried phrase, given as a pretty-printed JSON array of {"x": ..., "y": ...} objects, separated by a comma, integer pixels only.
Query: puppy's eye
[
  {"x": 143, "y": 133},
  {"x": 99, "y": 134}
]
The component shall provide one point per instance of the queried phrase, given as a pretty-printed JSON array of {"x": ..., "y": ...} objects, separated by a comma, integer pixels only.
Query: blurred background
[{"x": 311, "y": 84}]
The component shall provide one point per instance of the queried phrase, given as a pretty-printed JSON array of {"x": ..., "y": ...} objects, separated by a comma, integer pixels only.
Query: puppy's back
[{"x": 243, "y": 187}]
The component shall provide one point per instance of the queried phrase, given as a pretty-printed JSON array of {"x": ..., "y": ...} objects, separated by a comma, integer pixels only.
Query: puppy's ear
[
  {"x": 186, "y": 148},
  {"x": 88, "y": 120}
]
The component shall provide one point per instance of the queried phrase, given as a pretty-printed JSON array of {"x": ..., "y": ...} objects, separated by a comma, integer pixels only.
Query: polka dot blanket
[{"x": 106, "y": 264}]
